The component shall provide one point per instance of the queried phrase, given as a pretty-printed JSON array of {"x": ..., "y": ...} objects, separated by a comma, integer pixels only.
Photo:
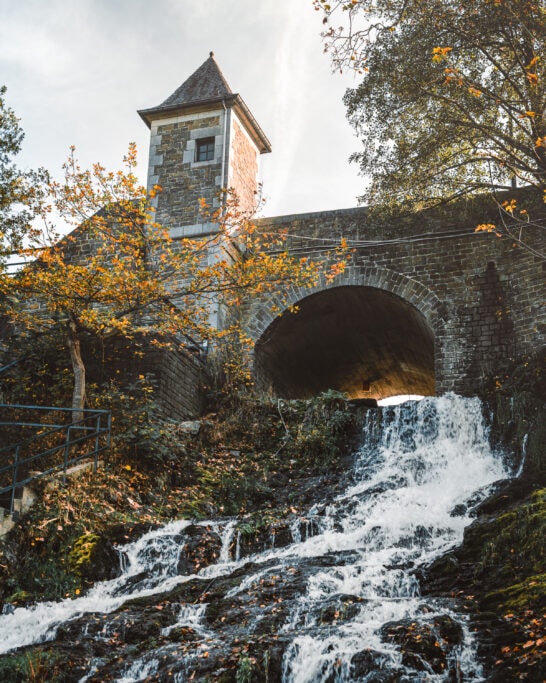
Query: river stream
[{"x": 338, "y": 602}]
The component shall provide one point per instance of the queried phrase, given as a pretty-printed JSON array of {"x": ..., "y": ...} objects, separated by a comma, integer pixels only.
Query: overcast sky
[{"x": 77, "y": 71}]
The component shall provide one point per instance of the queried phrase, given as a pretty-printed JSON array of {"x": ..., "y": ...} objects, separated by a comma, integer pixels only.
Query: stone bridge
[{"x": 426, "y": 305}]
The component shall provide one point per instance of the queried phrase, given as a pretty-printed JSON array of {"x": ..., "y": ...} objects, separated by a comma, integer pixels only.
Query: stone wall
[
  {"x": 482, "y": 297},
  {"x": 184, "y": 181},
  {"x": 179, "y": 374},
  {"x": 243, "y": 167},
  {"x": 182, "y": 380}
]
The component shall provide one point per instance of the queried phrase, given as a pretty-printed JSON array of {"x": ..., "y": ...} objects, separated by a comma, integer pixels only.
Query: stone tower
[{"x": 203, "y": 139}]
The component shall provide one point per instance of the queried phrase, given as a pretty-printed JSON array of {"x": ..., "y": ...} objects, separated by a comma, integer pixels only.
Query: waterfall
[
  {"x": 429, "y": 458},
  {"x": 149, "y": 567},
  {"x": 410, "y": 495}
]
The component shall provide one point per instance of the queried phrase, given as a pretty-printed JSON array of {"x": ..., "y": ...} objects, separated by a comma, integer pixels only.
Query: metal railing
[{"x": 44, "y": 440}]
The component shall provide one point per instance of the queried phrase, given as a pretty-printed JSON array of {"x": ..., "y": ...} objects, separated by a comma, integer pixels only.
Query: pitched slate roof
[
  {"x": 207, "y": 83},
  {"x": 207, "y": 86}
]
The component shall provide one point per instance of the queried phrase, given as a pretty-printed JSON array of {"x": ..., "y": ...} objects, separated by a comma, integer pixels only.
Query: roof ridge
[{"x": 206, "y": 83}]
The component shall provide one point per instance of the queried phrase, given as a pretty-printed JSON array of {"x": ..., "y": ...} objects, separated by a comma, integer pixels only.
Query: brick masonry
[
  {"x": 181, "y": 381},
  {"x": 243, "y": 170},
  {"x": 172, "y": 165},
  {"x": 482, "y": 298},
  {"x": 179, "y": 374},
  {"x": 185, "y": 181}
]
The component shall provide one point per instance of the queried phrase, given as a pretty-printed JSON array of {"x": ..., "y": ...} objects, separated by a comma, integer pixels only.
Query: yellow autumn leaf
[{"x": 440, "y": 53}]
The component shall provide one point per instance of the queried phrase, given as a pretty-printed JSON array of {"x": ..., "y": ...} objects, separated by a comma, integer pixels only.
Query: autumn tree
[
  {"x": 119, "y": 272},
  {"x": 18, "y": 189},
  {"x": 452, "y": 95}
]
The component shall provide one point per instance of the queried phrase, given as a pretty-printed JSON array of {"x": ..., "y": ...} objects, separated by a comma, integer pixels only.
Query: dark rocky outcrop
[
  {"x": 201, "y": 547},
  {"x": 425, "y": 646}
]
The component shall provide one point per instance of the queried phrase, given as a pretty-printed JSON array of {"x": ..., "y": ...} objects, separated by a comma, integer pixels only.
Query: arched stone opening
[{"x": 361, "y": 340}]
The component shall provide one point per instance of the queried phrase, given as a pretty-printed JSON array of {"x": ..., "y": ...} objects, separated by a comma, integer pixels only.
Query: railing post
[
  {"x": 14, "y": 479},
  {"x": 109, "y": 437},
  {"x": 97, "y": 444},
  {"x": 66, "y": 453}
]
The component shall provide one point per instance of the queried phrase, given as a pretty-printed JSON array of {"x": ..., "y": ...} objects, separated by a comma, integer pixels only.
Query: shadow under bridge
[{"x": 360, "y": 340}]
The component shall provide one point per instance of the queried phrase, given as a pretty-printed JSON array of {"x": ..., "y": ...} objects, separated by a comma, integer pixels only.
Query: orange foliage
[{"x": 119, "y": 271}]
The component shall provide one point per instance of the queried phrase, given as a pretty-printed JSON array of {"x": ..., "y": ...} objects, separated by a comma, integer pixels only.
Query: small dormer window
[{"x": 204, "y": 149}]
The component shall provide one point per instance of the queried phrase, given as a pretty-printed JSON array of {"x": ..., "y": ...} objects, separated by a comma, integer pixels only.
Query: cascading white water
[
  {"x": 149, "y": 567},
  {"x": 429, "y": 458},
  {"x": 396, "y": 515}
]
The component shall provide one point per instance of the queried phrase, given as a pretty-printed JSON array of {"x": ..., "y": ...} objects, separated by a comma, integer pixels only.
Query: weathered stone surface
[
  {"x": 202, "y": 547},
  {"x": 478, "y": 297},
  {"x": 425, "y": 646},
  {"x": 190, "y": 427}
]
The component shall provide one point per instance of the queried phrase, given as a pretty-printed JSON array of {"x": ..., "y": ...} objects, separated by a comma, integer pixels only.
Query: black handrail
[
  {"x": 13, "y": 362},
  {"x": 53, "y": 444}
]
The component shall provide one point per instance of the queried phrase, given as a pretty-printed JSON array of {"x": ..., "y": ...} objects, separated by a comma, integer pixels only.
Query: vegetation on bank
[
  {"x": 510, "y": 576},
  {"x": 247, "y": 457},
  {"x": 499, "y": 570}
]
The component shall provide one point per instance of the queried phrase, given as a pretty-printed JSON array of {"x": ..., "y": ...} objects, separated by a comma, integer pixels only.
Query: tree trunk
[{"x": 78, "y": 368}]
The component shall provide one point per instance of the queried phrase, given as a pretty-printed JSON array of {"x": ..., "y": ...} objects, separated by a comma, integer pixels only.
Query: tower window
[{"x": 204, "y": 149}]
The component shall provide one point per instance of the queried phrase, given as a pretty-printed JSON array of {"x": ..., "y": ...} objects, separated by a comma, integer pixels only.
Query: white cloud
[{"x": 77, "y": 71}]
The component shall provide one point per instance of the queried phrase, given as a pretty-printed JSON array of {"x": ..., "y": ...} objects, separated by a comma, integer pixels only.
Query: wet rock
[
  {"x": 363, "y": 663},
  {"x": 103, "y": 564},
  {"x": 367, "y": 665},
  {"x": 201, "y": 548},
  {"x": 138, "y": 627},
  {"x": 448, "y": 629},
  {"x": 340, "y": 608},
  {"x": 441, "y": 575},
  {"x": 506, "y": 494},
  {"x": 281, "y": 535},
  {"x": 334, "y": 559},
  {"x": 253, "y": 539},
  {"x": 388, "y": 485},
  {"x": 424, "y": 646},
  {"x": 267, "y": 600},
  {"x": 275, "y": 654},
  {"x": 403, "y": 566},
  {"x": 420, "y": 536},
  {"x": 190, "y": 592},
  {"x": 180, "y": 634},
  {"x": 308, "y": 527},
  {"x": 104, "y": 559},
  {"x": 458, "y": 510}
]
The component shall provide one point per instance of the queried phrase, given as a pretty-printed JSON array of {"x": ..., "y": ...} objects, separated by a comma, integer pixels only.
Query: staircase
[{"x": 40, "y": 441}]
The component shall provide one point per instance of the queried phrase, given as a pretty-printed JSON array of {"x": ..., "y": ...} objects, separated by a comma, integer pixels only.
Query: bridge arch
[{"x": 372, "y": 333}]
